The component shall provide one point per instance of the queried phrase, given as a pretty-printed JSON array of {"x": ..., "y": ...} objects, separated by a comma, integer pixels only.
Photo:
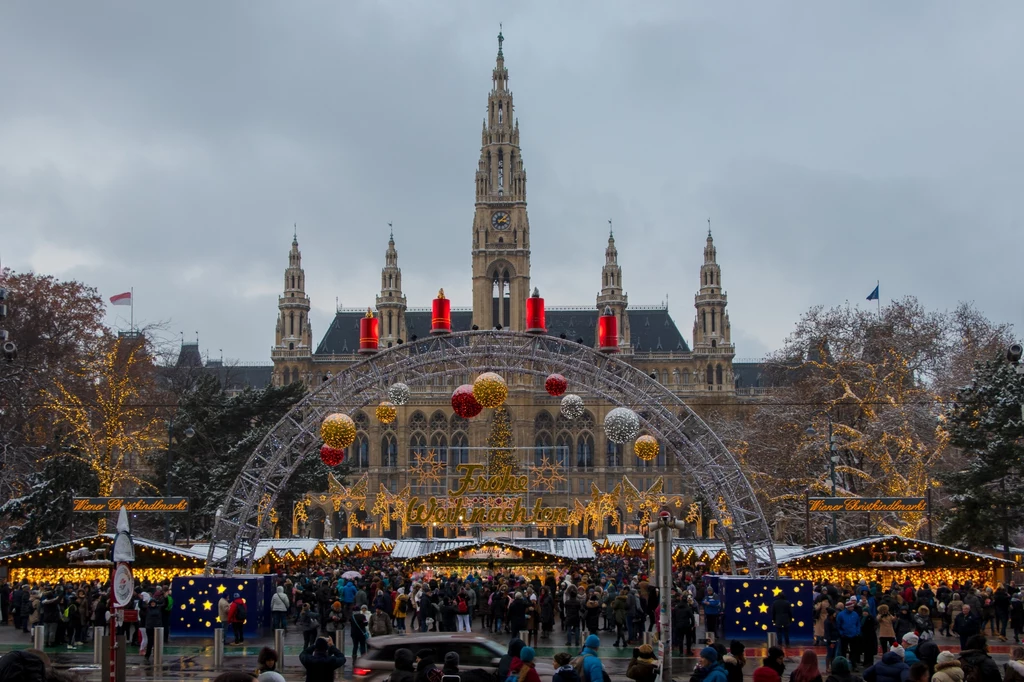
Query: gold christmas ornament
[
  {"x": 338, "y": 430},
  {"x": 386, "y": 412},
  {"x": 490, "y": 390},
  {"x": 646, "y": 448}
]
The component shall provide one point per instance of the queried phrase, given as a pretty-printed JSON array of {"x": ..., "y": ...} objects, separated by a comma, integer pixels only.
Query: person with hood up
[
  {"x": 886, "y": 633},
  {"x": 451, "y": 664},
  {"x": 153, "y": 621},
  {"x": 266, "y": 666},
  {"x": 947, "y": 669},
  {"x": 564, "y": 671},
  {"x": 1015, "y": 667},
  {"x": 426, "y": 669},
  {"x": 510, "y": 661},
  {"x": 404, "y": 666},
  {"x": 734, "y": 661},
  {"x": 590, "y": 662},
  {"x": 891, "y": 668},
  {"x": 977, "y": 664},
  {"x": 237, "y": 615},
  {"x": 842, "y": 671},
  {"x": 279, "y": 606},
  {"x": 321, "y": 660},
  {"x": 644, "y": 665}
]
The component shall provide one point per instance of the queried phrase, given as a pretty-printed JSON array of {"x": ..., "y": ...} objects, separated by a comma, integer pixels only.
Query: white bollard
[
  {"x": 218, "y": 650},
  {"x": 38, "y": 637},
  {"x": 97, "y": 645},
  {"x": 158, "y": 647},
  {"x": 279, "y": 648}
]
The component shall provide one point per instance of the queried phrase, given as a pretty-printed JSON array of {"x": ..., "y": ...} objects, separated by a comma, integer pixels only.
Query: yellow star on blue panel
[
  {"x": 221, "y": 589},
  {"x": 747, "y": 603},
  {"x": 207, "y": 605},
  {"x": 762, "y": 607},
  {"x": 776, "y": 591},
  {"x": 192, "y": 600}
]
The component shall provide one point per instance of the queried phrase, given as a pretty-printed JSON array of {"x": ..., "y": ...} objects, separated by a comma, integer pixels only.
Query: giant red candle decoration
[
  {"x": 608, "y": 332},
  {"x": 369, "y": 335},
  {"x": 441, "y": 320},
  {"x": 535, "y": 314}
]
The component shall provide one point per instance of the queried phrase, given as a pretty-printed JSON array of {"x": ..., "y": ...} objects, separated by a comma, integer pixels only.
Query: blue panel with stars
[
  {"x": 196, "y": 597},
  {"x": 747, "y": 606}
]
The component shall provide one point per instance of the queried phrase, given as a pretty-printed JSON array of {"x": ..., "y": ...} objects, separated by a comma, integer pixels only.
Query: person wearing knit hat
[
  {"x": 715, "y": 671},
  {"x": 947, "y": 668},
  {"x": 528, "y": 670},
  {"x": 451, "y": 663},
  {"x": 644, "y": 666},
  {"x": 766, "y": 674},
  {"x": 593, "y": 669},
  {"x": 909, "y": 642}
]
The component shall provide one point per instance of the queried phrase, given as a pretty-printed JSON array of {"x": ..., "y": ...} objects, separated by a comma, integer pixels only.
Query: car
[{"x": 475, "y": 652}]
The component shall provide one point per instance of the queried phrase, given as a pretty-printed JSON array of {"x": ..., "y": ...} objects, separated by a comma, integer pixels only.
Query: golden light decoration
[
  {"x": 338, "y": 430},
  {"x": 646, "y": 448},
  {"x": 427, "y": 468},
  {"x": 490, "y": 390},
  {"x": 386, "y": 412},
  {"x": 548, "y": 474}
]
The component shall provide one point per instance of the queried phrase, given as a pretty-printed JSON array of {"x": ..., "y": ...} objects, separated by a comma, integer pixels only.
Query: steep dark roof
[
  {"x": 189, "y": 355},
  {"x": 651, "y": 328},
  {"x": 238, "y": 377},
  {"x": 749, "y": 375}
]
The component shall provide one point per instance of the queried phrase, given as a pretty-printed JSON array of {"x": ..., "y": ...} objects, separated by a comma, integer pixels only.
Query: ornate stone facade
[{"x": 500, "y": 247}]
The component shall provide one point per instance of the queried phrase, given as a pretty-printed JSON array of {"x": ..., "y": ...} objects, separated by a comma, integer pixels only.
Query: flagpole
[
  {"x": 131, "y": 321},
  {"x": 878, "y": 301}
]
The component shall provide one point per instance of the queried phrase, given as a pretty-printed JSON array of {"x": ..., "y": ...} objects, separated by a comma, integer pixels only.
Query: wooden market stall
[
  {"x": 531, "y": 557},
  {"x": 87, "y": 559}
]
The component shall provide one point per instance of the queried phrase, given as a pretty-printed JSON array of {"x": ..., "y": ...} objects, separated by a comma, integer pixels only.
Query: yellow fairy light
[
  {"x": 646, "y": 448},
  {"x": 490, "y": 390},
  {"x": 386, "y": 412},
  {"x": 338, "y": 430}
]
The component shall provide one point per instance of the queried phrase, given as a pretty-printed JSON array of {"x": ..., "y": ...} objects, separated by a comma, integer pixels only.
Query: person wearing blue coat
[
  {"x": 593, "y": 670},
  {"x": 848, "y": 622}
]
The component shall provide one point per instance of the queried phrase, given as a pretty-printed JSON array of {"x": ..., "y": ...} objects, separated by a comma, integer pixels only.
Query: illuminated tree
[
  {"x": 500, "y": 455},
  {"x": 110, "y": 426}
]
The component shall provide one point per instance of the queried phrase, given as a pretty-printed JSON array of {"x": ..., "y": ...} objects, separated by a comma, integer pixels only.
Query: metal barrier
[
  {"x": 279, "y": 648},
  {"x": 38, "y": 637},
  {"x": 98, "y": 645},
  {"x": 218, "y": 649},
  {"x": 158, "y": 647},
  {"x": 773, "y": 639}
]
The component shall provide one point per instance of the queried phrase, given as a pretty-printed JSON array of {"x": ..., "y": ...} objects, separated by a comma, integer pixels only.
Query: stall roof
[
  {"x": 713, "y": 547},
  {"x": 633, "y": 541},
  {"x": 567, "y": 548},
  {"x": 103, "y": 538},
  {"x": 281, "y": 546},
  {"x": 825, "y": 550}
]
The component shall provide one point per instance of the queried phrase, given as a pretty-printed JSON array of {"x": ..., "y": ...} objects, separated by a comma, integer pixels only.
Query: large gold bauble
[
  {"x": 490, "y": 390},
  {"x": 386, "y": 412},
  {"x": 338, "y": 430},
  {"x": 646, "y": 448}
]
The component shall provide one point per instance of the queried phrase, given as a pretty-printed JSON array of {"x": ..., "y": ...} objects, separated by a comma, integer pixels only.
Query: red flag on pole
[{"x": 121, "y": 299}]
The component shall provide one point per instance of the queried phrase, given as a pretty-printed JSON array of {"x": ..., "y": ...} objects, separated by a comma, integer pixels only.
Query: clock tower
[{"x": 501, "y": 228}]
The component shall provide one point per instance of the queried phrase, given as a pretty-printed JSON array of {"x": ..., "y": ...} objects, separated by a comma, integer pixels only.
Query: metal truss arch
[{"x": 697, "y": 451}]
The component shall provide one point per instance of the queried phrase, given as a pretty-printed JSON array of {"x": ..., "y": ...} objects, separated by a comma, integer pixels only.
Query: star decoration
[
  {"x": 762, "y": 607},
  {"x": 776, "y": 591},
  {"x": 221, "y": 589},
  {"x": 207, "y": 605},
  {"x": 747, "y": 603},
  {"x": 428, "y": 468},
  {"x": 192, "y": 600},
  {"x": 548, "y": 474}
]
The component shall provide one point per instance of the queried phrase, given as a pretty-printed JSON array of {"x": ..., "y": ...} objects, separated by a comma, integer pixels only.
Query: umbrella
[{"x": 351, "y": 575}]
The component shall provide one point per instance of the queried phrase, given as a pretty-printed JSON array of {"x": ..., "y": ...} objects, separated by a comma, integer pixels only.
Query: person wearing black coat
[
  {"x": 515, "y": 647},
  {"x": 425, "y": 665},
  {"x": 782, "y": 617},
  {"x": 517, "y": 615},
  {"x": 404, "y": 666},
  {"x": 975, "y": 657},
  {"x": 321, "y": 660},
  {"x": 890, "y": 669},
  {"x": 868, "y": 637}
]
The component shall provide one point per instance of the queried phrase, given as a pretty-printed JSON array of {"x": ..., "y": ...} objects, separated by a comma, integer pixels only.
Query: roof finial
[
  {"x": 611, "y": 233},
  {"x": 709, "y": 228},
  {"x": 501, "y": 39},
  {"x": 390, "y": 227},
  {"x": 295, "y": 233}
]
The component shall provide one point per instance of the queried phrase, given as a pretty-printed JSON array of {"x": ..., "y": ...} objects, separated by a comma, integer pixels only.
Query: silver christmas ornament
[
  {"x": 621, "y": 425},
  {"x": 399, "y": 394},
  {"x": 572, "y": 406}
]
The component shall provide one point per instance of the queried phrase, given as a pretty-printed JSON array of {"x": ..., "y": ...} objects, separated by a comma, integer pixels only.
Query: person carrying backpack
[
  {"x": 462, "y": 611},
  {"x": 977, "y": 664},
  {"x": 589, "y": 665},
  {"x": 238, "y": 613}
]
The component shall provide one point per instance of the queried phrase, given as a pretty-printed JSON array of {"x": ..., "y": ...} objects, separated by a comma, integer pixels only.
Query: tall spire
[
  {"x": 293, "y": 331},
  {"x": 501, "y": 39},
  {"x": 712, "y": 332},
  {"x": 391, "y": 302},
  {"x": 612, "y": 296}
]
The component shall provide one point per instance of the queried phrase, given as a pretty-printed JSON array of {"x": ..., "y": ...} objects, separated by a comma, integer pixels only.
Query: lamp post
[
  {"x": 832, "y": 459},
  {"x": 188, "y": 433}
]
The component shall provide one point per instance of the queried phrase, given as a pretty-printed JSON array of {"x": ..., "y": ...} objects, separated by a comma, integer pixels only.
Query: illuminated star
[
  {"x": 776, "y": 591},
  {"x": 207, "y": 605},
  {"x": 192, "y": 600},
  {"x": 747, "y": 603},
  {"x": 762, "y": 607},
  {"x": 221, "y": 589},
  {"x": 217, "y": 619}
]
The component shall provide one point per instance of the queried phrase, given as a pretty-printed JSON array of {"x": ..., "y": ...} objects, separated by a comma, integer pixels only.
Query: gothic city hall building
[{"x": 703, "y": 373}]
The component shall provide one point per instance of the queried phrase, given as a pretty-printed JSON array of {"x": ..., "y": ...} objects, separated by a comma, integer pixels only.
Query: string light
[
  {"x": 500, "y": 457},
  {"x": 386, "y": 412},
  {"x": 338, "y": 430},
  {"x": 490, "y": 390}
]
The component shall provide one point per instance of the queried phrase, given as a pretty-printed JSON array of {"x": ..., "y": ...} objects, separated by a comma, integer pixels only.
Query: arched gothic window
[
  {"x": 360, "y": 452},
  {"x": 718, "y": 375},
  {"x": 614, "y": 451},
  {"x": 585, "y": 451},
  {"x": 563, "y": 448},
  {"x": 389, "y": 450},
  {"x": 711, "y": 375}
]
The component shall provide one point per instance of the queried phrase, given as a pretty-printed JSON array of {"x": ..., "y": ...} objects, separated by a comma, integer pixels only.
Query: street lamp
[{"x": 832, "y": 459}]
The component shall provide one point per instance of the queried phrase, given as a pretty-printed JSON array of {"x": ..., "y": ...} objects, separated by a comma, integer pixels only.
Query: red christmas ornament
[
  {"x": 464, "y": 402},
  {"x": 332, "y": 457},
  {"x": 555, "y": 385}
]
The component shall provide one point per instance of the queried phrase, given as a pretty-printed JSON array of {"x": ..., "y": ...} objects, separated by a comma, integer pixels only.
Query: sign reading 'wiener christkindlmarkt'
[
  {"x": 867, "y": 504},
  {"x": 132, "y": 504}
]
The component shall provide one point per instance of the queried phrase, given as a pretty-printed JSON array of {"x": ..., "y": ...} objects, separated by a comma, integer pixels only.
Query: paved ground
[{"x": 192, "y": 659}]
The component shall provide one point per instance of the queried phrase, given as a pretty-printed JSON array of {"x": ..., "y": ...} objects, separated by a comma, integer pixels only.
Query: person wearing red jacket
[{"x": 237, "y": 615}]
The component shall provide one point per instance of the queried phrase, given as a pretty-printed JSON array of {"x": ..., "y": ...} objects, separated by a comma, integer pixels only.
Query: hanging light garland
[
  {"x": 646, "y": 448},
  {"x": 338, "y": 430},
  {"x": 555, "y": 384},
  {"x": 572, "y": 406},
  {"x": 332, "y": 457},
  {"x": 490, "y": 390},
  {"x": 621, "y": 424},
  {"x": 399, "y": 393},
  {"x": 386, "y": 412},
  {"x": 464, "y": 402}
]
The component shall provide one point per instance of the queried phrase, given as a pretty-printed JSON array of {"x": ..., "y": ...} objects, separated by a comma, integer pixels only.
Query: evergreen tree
[
  {"x": 44, "y": 514},
  {"x": 987, "y": 492},
  {"x": 500, "y": 456}
]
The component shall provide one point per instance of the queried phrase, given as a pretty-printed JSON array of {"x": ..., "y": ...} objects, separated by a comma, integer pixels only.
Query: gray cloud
[{"x": 171, "y": 147}]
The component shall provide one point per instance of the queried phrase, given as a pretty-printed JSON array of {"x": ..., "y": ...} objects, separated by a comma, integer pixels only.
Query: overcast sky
[{"x": 170, "y": 147}]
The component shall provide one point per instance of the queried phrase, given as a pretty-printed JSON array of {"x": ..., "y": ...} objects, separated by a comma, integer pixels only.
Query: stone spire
[
  {"x": 612, "y": 296},
  {"x": 293, "y": 337},
  {"x": 712, "y": 332},
  {"x": 391, "y": 302}
]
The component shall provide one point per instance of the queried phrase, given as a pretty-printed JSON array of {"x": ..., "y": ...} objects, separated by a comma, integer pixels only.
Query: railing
[{"x": 753, "y": 390}]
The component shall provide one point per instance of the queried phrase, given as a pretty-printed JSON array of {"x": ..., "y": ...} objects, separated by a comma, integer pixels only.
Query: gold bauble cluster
[
  {"x": 646, "y": 448},
  {"x": 490, "y": 390},
  {"x": 338, "y": 430},
  {"x": 386, "y": 412}
]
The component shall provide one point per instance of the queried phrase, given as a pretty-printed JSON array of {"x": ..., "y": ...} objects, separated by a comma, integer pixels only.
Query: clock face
[{"x": 501, "y": 220}]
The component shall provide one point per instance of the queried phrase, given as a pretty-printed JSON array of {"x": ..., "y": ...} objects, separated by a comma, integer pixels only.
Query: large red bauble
[
  {"x": 332, "y": 457},
  {"x": 464, "y": 402},
  {"x": 555, "y": 384}
]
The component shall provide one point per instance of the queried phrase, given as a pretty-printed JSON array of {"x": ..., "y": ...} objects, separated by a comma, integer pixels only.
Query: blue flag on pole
[{"x": 873, "y": 296}]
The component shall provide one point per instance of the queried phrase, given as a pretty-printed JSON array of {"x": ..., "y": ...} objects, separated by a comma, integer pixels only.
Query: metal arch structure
[{"x": 699, "y": 453}]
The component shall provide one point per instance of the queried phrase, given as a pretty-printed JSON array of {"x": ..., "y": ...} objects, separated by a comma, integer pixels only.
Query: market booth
[
  {"x": 530, "y": 557},
  {"x": 891, "y": 557},
  {"x": 89, "y": 559},
  {"x": 301, "y": 552}
]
